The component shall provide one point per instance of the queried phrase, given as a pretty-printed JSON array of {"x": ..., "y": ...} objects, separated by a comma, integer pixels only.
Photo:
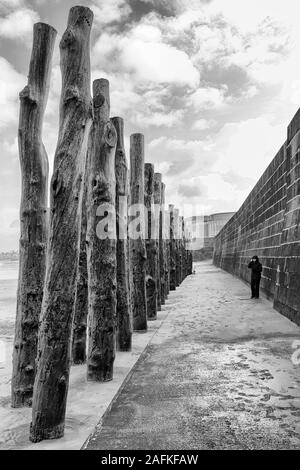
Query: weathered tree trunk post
[
  {"x": 101, "y": 239},
  {"x": 137, "y": 238},
  {"x": 33, "y": 214},
  {"x": 189, "y": 257},
  {"x": 54, "y": 347},
  {"x": 79, "y": 340},
  {"x": 172, "y": 249},
  {"x": 162, "y": 246},
  {"x": 191, "y": 262},
  {"x": 157, "y": 203},
  {"x": 177, "y": 249},
  {"x": 167, "y": 257},
  {"x": 124, "y": 320},
  {"x": 130, "y": 269},
  {"x": 181, "y": 249},
  {"x": 151, "y": 245}
]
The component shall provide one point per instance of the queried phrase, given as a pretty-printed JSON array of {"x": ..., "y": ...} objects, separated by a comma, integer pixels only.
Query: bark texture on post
[
  {"x": 79, "y": 341},
  {"x": 124, "y": 320},
  {"x": 183, "y": 248},
  {"x": 190, "y": 262},
  {"x": 101, "y": 239},
  {"x": 162, "y": 246},
  {"x": 181, "y": 251},
  {"x": 177, "y": 246},
  {"x": 157, "y": 202},
  {"x": 151, "y": 248},
  {"x": 167, "y": 248},
  {"x": 172, "y": 250},
  {"x": 54, "y": 347},
  {"x": 137, "y": 244},
  {"x": 33, "y": 214}
]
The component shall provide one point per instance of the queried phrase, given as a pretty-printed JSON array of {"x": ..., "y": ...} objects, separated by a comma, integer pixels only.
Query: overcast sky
[{"x": 212, "y": 84}]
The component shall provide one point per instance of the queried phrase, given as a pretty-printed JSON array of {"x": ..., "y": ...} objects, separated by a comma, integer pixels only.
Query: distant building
[
  {"x": 9, "y": 256},
  {"x": 201, "y": 231}
]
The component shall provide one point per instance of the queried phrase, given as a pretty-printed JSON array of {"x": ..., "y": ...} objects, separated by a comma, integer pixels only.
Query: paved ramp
[{"x": 217, "y": 375}]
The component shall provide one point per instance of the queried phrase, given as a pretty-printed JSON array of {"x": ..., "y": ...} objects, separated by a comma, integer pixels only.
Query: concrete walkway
[{"x": 218, "y": 374}]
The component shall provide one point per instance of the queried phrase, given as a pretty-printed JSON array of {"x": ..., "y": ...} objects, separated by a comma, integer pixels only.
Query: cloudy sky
[{"x": 211, "y": 83}]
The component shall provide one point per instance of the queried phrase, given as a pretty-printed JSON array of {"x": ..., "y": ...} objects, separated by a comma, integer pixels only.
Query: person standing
[{"x": 256, "y": 269}]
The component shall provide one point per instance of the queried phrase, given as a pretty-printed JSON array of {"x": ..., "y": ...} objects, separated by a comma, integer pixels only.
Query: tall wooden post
[
  {"x": 190, "y": 262},
  {"x": 137, "y": 242},
  {"x": 162, "y": 246},
  {"x": 79, "y": 341},
  {"x": 151, "y": 245},
  {"x": 181, "y": 249},
  {"x": 177, "y": 249},
  {"x": 54, "y": 349},
  {"x": 101, "y": 239},
  {"x": 157, "y": 203},
  {"x": 172, "y": 249},
  {"x": 124, "y": 320},
  {"x": 33, "y": 214},
  {"x": 167, "y": 257}
]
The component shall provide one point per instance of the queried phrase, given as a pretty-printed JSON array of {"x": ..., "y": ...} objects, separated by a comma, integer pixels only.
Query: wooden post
[
  {"x": 188, "y": 256},
  {"x": 172, "y": 250},
  {"x": 124, "y": 320},
  {"x": 162, "y": 246},
  {"x": 137, "y": 243},
  {"x": 33, "y": 214},
  {"x": 54, "y": 348},
  {"x": 157, "y": 202},
  {"x": 101, "y": 239},
  {"x": 81, "y": 299},
  {"x": 190, "y": 262},
  {"x": 151, "y": 245},
  {"x": 181, "y": 249},
  {"x": 177, "y": 249},
  {"x": 167, "y": 257}
]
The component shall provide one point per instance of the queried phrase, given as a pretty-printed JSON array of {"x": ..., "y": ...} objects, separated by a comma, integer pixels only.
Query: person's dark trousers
[{"x": 255, "y": 287}]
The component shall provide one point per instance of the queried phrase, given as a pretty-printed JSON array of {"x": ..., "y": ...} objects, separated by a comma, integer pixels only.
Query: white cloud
[
  {"x": 141, "y": 106},
  {"x": 247, "y": 147},
  {"x": 18, "y": 24},
  {"x": 142, "y": 53},
  {"x": 181, "y": 155},
  {"x": 54, "y": 92},
  {"x": 159, "y": 63},
  {"x": 11, "y": 83},
  {"x": 106, "y": 12},
  {"x": 248, "y": 14},
  {"x": 208, "y": 98},
  {"x": 147, "y": 33},
  {"x": 218, "y": 172},
  {"x": 11, "y": 4},
  {"x": 203, "y": 124},
  {"x": 227, "y": 65},
  {"x": 158, "y": 119}
]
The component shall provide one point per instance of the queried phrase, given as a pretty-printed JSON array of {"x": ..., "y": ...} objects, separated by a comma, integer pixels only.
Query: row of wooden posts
[{"x": 69, "y": 275}]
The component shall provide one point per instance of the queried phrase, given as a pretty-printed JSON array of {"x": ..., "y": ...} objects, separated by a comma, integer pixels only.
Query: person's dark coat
[{"x": 256, "y": 269}]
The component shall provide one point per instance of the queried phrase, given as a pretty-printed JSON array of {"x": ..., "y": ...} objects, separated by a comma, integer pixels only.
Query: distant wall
[
  {"x": 203, "y": 253},
  {"x": 268, "y": 224}
]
